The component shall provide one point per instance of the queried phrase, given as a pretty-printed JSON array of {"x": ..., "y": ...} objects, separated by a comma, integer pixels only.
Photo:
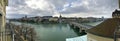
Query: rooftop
[{"x": 106, "y": 28}]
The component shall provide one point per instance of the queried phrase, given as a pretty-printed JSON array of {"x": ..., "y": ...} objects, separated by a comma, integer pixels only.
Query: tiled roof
[{"x": 106, "y": 28}]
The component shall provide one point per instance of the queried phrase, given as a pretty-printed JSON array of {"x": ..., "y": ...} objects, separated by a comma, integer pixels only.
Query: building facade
[{"x": 3, "y": 4}]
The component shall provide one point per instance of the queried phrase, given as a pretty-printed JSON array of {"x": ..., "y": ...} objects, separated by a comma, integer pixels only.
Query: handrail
[
  {"x": 12, "y": 32},
  {"x": 15, "y": 34}
]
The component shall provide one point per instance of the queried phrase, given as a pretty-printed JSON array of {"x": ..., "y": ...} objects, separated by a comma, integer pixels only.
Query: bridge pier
[
  {"x": 75, "y": 26},
  {"x": 71, "y": 25},
  {"x": 79, "y": 27},
  {"x": 83, "y": 32}
]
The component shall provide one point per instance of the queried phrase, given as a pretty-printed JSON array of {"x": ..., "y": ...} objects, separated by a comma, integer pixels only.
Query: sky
[{"x": 67, "y": 8}]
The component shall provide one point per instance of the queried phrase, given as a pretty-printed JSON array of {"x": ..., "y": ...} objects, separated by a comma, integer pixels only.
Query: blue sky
[{"x": 68, "y": 8}]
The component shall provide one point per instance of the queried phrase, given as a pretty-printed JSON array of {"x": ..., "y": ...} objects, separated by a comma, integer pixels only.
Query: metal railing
[{"x": 117, "y": 33}]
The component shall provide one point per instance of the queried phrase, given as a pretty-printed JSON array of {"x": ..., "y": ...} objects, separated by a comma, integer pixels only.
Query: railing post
[
  {"x": 13, "y": 37},
  {"x": 115, "y": 36}
]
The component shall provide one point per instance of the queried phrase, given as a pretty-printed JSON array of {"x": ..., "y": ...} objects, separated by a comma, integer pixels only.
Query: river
[{"x": 51, "y": 32}]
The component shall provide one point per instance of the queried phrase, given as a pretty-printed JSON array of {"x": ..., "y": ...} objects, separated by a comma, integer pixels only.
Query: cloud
[
  {"x": 21, "y": 7},
  {"x": 95, "y": 7},
  {"x": 71, "y": 8}
]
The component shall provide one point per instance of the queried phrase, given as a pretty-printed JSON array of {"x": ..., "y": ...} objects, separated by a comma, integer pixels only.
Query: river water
[{"x": 51, "y": 32}]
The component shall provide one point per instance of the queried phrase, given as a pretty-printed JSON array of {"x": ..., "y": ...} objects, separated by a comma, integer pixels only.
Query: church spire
[{"x": 60, "y": 16}]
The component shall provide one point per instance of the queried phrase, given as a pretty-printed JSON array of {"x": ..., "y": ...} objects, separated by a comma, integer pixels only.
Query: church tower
[{"x": 60, "y": 19}]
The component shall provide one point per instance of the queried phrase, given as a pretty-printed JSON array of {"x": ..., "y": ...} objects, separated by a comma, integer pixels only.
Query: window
[{"x": 0, "y": 14}]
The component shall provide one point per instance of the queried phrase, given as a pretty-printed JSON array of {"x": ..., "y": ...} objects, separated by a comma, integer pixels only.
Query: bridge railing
[{"x": 81, "y": 25}]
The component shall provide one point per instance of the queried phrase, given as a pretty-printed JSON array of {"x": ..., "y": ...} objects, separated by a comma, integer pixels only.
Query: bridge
[{"x": 79, "y": 27}]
